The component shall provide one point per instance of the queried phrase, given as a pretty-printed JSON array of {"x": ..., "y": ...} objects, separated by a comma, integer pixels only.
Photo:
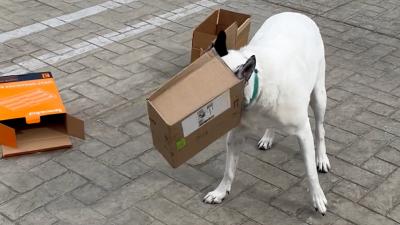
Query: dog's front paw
[
  {"x": 319, "y": 200},
  {"x": 266, "y": 141},
  {"x": 323, "y": 164},
  {"x": 215, "y": 197}
]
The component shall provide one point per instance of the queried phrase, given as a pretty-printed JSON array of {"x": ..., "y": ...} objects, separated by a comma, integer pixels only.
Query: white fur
[{"x": 290, "y": 59}]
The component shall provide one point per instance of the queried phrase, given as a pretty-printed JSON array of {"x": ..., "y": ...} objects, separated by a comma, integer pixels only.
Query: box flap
[
  {"x": 7, "y": 136},
  {"x": 199, "y": 83},
  {"x": 38, "y": 139},
  {"x": 227, "y": 17},
  {"x": 75, "y": 127},
  {"x": 29, "y": 96},
  {"x": 231, "y": 34}
]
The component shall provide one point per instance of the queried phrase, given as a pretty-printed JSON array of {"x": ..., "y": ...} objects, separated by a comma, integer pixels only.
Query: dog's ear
[
  {"x": 245, "y": 70},
  {"x": 220, "y": 44}
]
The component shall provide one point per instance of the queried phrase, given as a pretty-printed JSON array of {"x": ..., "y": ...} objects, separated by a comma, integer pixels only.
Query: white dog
[{"x": 288, "y": 76}]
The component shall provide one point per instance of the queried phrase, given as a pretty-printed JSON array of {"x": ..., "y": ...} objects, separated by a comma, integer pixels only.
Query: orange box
[{"x": 32, "y": 115}]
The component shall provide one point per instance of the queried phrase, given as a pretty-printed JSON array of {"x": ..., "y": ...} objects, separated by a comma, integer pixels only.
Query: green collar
[{"x": 255, "y": 87}]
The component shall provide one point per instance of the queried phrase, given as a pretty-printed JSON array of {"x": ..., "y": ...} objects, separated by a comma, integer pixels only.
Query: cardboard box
[
  {"x": 33, "y": 116},
  {"x": 194, "y": 108},
  {"x": 236, "y": 26}
]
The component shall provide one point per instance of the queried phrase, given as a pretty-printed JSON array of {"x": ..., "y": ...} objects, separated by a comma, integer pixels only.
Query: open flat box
[
  {"x": 33, "y": 116},
  {"x": 236, "y": 26},
  {"x": 194, "y": 108}
]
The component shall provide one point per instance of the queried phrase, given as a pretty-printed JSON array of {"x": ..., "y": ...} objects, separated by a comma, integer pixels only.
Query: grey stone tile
[
  {"x": 311, "y": 217},
  {"x": 354, "y": 174},
  {"x": 212, "y": 150},
  {"x": 379, "y": 167},
  {"x": 365, "y": 147},
  {"x": 183, "y": 174},
  {"x": 167, "y": 212},
  {"x": 395, "y": 214},
  {"x": 71, "y": 67},
  {"x": 370, "y": 93},
  {"x": 115, "y": 72},
  {"x": 78, "y": 105},
  {"x": 390, "y": 154},
  {"x": 386, "y": 196},
  {"x": 132, "y": 216},
  {"x": 355, "y": 213},
  {"x": 76, "y": 78},
  {"x": 266, "y": 172},
  {"x": 48, "y": 170},
  {"x": 39, "y": 216},
  {"x": 42, "y": 195},
  {"x": 342, "y": 222},
  {"x": 68, "y": 95},
  {"x": 93, "y": 148},
  {"x": 177, "y": 192},
  {"x": 93, "y": 170},
  {"x": 226, "y": 216},
  {"x": 107, "y": 134},
  {"x": 381, "y": 109},
  {"x": 261, "y": 212},
  {"x": 20, "y": 181},
  {"x": 130, "y": 194},
  {"x": 133, "y": 168},
  {"x": 350, "y": 190},
  {"x": 135, "y": 55},
  {"x": 127, "y": 151},
  {"x": 97, "y": 94},
  {"x": 72, "y": 211},
  {"x": 89, "y": 193},
  {"x": 263, "y": 191},
  {"x": 134, "y": 129},
  {"x": 6, "y": 193},
  {"x": 102, "y": 81},
  {"x": 126, "y": 113},
  {"x": 5, "y": 221}
]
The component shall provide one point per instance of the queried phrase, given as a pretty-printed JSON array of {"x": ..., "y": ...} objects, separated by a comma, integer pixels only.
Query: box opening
[{"x": 51, "y": 133}]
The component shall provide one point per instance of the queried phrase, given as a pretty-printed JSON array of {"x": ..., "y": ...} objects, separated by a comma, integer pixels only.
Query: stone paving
[{"x": 108, "y": 55}]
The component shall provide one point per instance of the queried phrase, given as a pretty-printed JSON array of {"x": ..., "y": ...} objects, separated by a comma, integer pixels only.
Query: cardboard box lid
[
  {"x": 195, "y": 86},
  {"x": 29, "y": 96}
]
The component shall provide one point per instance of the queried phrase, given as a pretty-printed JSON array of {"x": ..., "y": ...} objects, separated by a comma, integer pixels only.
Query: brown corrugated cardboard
[
  {"x": 236, "y": 26},
  {"x": 32, "y": 115},
  {"x": 194, "y": 108}
]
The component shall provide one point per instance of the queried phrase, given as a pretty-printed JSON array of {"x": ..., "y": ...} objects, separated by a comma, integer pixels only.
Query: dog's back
[{"x": 290, "y": 42}]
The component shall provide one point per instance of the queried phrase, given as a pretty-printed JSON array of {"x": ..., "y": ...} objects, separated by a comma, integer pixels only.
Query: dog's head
[{"x": 243, "y": 68}]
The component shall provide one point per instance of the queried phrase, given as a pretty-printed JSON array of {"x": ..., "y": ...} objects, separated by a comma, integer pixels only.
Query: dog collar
[{"x": 255, "y": 87}]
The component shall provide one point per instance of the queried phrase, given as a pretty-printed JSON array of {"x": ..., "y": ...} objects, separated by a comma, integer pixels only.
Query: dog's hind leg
[
  {"x": 234, "y": 143},
  {"x": 318, "y": 104},
  {"x": 267, "y": 139}
]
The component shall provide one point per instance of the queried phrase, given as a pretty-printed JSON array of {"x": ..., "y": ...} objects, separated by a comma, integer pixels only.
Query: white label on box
[{"x": 212, "y": 109}]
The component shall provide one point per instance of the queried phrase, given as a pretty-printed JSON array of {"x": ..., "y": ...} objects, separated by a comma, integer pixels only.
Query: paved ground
[{"x": 107, "y": 56}]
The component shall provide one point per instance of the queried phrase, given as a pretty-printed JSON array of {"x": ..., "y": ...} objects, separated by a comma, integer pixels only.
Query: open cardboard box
[
  {"x": 236, "y": 26},
  {"x": 33, "y": 116},
  {"x": 194, "y": 108}
]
